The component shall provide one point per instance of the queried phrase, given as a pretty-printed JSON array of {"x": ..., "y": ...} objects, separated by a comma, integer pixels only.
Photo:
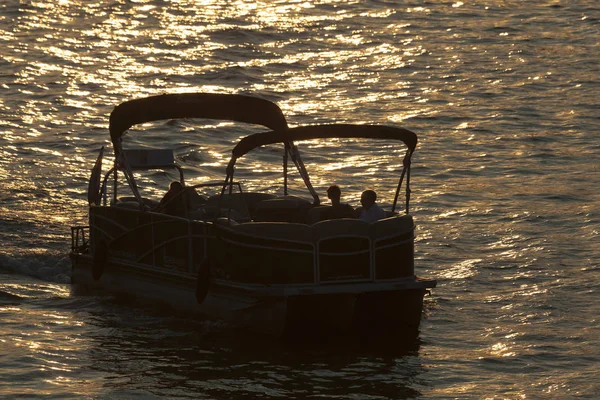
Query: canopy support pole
[
  {"x": 407, "y": 189},
  {"x": 405, "y": 171}
]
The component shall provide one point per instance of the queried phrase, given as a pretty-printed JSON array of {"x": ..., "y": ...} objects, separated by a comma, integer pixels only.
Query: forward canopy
[
  {"x": 349, "y": 131},
  {"x": 228, "y": 107},
  {"x": 231, "y": 107}
]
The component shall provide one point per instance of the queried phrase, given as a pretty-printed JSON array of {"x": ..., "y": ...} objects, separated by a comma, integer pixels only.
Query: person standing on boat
[
  {"x": 371, "y": 212},
  {"x": 338, "y": 210}
]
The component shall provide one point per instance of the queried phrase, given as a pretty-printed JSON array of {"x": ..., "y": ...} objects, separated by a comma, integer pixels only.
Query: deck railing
[
  {"x": 330, "y": 252},
  {"x": 80, "y": 238},
  {"x": 154, "y": 239}
]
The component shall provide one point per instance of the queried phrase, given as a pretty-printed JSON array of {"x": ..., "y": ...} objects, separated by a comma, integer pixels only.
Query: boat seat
[
  {"x": 129, "y": 205},
  {"x": 243, "y": 203},
  {"x": 340, "y": 227},
  {"x": 128, "y": 199},
  {"x": 212, "y": 213},
  {"x": 322, "y": 213},
  {"x": 224, "y": 221},
  {"x": 393, "y": 248},
  {"x": 282, "y": 209},
  {"x": 195, "y": 200},
  {"x": 358, "y": 211},
  {"x": 391, "y": 226},
  {"x": 317, "y": 214},
  {"x": 268, "y": 253},
  {"x": 284, "y": 202},
  {"x": 343, "y": 249},
  {"x": 276, "y": 230}
]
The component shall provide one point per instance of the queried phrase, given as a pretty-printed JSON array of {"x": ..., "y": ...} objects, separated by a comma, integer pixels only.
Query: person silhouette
[
  {"x": 371, "y": 212},
  {"x": 173, "y": 202},
  {"x": 338, "y": 210}
]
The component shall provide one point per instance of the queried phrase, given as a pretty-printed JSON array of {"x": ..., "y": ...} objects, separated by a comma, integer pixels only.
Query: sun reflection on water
[{"x": 481, "y": 190}]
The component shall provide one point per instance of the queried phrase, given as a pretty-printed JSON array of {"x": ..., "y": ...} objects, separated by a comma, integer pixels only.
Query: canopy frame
[
  {"x": 325, "y": 131},
  {"x": 230, "y": 107}
]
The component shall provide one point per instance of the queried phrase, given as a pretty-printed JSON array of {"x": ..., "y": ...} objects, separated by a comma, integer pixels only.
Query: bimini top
[
  {"x": 349, "y": 131},
  {"x": 325, "y": 131},
  {"x": 231, "y": 107}
]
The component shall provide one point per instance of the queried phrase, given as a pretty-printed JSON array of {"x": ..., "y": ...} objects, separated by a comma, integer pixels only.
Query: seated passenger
[
  {"x": 173, "y": 202},
  {"x": 338, "y": 210},
  {"x": 371, "y": 212},
  {"x": 194, "y": 200}
]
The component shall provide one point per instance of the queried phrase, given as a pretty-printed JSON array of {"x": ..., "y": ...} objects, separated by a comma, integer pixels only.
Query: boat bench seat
[
  {"x": 327, "y": 212},
  {"x": 265, "y": 207},
  {"x": 243, "y": 203},
  {"x": 129, "y": 205},
  {"x": 349, "y": 227},
  {"x": 282, "y": 209},
  {"x": 358, "y": 211},
  {"x": 382, "y": 229},
  {"x": 226, "y": 222},
  {"x": 390, "y": 227},
  {"x": 282, "y": 202},
  {"x": 317, "y": 214},
  {"x": 345, "y": 249},
  {"x": 339, "y": 227},
  {"x": 276, "y": 230},
  {"x": 125, "y": 202},
  {"x": 393, "y": 247}
]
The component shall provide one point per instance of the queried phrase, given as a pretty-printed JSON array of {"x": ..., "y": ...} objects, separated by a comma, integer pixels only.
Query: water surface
[{"x": 505, "y": 179}]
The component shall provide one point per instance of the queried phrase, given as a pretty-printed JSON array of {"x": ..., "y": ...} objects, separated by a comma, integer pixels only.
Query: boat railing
[
  {"x": 328, "y": 252},
  {"x": 154, "y": 239},
  {"x": 334, "y": 251},
  {"x": 80, "y": 238},
  {"x": 342, "y": 251}
]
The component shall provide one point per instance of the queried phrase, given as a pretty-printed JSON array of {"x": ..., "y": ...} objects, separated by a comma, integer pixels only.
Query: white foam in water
[{"x": 47, "y": 267}]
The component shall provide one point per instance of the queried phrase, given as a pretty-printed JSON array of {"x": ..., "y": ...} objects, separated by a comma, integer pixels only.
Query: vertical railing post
[
  {"x": 375, "y": 260},
  {"x": 373, "y": 266},
  {"x": 190, "y": 248},
  {"x": 153, "y": 240},
  {"x": 316, "y": 264},
  {"x": 205, "y": 241}
]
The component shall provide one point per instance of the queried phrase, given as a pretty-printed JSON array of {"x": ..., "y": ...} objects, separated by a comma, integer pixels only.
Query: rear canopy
[
  {"x": 251, "y": 142},
  {"x": 348, "y": 131}
]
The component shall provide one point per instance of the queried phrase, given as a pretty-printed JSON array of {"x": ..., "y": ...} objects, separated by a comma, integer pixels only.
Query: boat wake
[{"x": 48, "y": 266}]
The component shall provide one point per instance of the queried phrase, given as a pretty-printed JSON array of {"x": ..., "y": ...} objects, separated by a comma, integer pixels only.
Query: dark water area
[{"x": 503, "y": 96}]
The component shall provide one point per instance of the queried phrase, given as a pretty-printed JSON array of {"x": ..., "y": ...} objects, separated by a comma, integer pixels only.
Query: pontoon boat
[{"x": 269, "y": 262}]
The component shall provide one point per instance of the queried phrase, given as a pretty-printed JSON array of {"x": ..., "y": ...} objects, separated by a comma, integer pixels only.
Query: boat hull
[{"x": 284, "y": 311}]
